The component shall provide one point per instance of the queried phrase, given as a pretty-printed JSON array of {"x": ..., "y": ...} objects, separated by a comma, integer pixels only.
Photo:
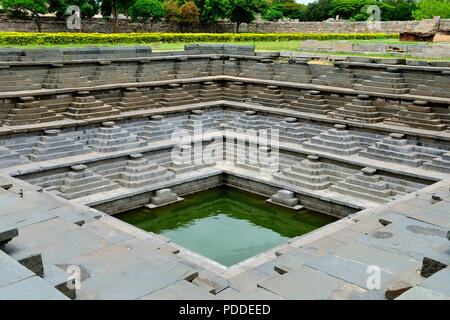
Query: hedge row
[{"x": 19, "y": 38}]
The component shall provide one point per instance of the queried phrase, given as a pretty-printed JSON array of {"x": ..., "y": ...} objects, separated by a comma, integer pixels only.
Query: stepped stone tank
[{"x": 88, "y": 136}]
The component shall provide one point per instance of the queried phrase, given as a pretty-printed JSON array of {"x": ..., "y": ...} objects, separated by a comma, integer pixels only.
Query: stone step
[
  {"x": 147, "y": 173},
  {"x": 117, "y": 145},
  {"x": 386, "y": 148},
  {"x": 349, "y": 185},
  {"x": 92, "y": 114},
  {"x": 419, "y": 115},
  {"x": 300, "y": 173},
  {"x": 362, "y": 117},
  {"x": 90, "y": 191},
  {"x": 58, "y": 155},
  {"x": 334, "y": 150},
  {"x": 384, "y": 83},
  {"x": 164, "y": 175},
  {"x": 355, "y": 185},
  {"x": 359, "y": 195},
  {"x": 361, "y": 87},
  {"x": 360, "y": 110},
  {"x": 301, "y": 183},
  {"x": 437, "y": 165},
  {"x": 392, "y": 157}
]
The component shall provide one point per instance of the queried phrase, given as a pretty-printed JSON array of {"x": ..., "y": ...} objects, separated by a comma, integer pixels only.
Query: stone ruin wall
[{"x": 102, "y": 26}]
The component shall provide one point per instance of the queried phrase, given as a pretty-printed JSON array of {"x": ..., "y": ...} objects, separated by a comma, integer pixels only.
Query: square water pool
[{"x": 225, "y": 224}]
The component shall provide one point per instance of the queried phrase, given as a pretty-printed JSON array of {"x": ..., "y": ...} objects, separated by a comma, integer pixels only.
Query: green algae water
[{"x": 226, "y": 225}]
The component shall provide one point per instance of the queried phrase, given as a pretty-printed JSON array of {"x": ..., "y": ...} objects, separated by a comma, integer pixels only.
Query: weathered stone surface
[{"x": 33, "y": 288}]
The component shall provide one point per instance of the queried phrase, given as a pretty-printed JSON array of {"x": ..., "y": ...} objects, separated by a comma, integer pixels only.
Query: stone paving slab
[
  {"x": 305, "y": 283},
  {"x": 433, "y": 217},
  {"x": 132, "y": 282},
  {"x": 369, "y": 255},
  {"x": 419, "y": 293},
  {"x": 102, "y": 261},
  {"x": 44, "y": 232},
  {"x": 247, "y": 280},
  {"x": 70, "y": 244},
  {"x": 25, "y": 218},
  {"x": 74, "y": 215},
  {"x": 180, "y": 290},
  {"x": 347, "y": 270},
  {"x": 33, "y": 288},
  {"x": 267, "y": 268},
  {"x": 438, "y": 282},
  {"x": 324, "y": 245},
  {"x": 421, "y": 230},
  {"x": 412, "y": 238},
  {"x": 294, "y": 259},
  {"x": 12, "y": 271},
  {"x": 105, "y": 231},
  {"x": 12, "y": 202}
]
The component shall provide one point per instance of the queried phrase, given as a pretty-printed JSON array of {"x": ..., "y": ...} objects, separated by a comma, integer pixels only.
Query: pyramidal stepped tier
[
  {"x": 397, "y": 149},
  {"x": 361, "y": 109},
  {"x": 210, "y": 91},
  {"x": 86, "y": 106},
  {"x": 291, "y": 130},
  {"x": 133, "y": 99},
  {"x": 236, "y": 91},
  {"x": 308, "y": 174},
  {"x": 270, "y": 96},
  {"x": 338, "y": 76},
  {"x": 175, "y": 95},
  {"x": 82, "y": 182},
  {"x": 337, "y": 140},
  {"x": 112, "y": 138},
  {"x": 53, "y": 145},
  {"x": 140, "y": 172},
  {"x": 419, "y": 115},
  {"x": 158, "y": 129},
  {"x": 389, "y": 81},
  {"x": 366, "y": 184},
  {"x": 312, "y": 102},
  {"x": 27, "y": 111}
]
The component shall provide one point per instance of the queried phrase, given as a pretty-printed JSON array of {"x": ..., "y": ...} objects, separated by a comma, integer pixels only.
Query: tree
[
  {"x": 401, "y": 10},
  {"x": 357, "y": 10},
  {"x": 349, "y": 8},
  {"x": 114, "y": 7},
  {"x": 427, "y": 9},
  {"x": 319, "y": 11},
  {"x": 171, "y": 8},
  {"x": 88, "y": 8},
  {"x": 34, "y": 7},
  {"x": 213, "y": 10},
  {"x": 188, "y": 14},
  {"x": 146, "y": 11},
  {"x": 244, "y": 11},
  {"x": 294, "y": 10},
  {"x": 273, "y": 15}
]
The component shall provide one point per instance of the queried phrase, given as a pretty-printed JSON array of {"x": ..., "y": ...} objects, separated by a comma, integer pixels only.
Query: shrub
[{"x": 20, "y": 38}]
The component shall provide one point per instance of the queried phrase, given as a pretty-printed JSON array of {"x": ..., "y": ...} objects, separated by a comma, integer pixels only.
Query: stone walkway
[{"x": 119, "y": 261}]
